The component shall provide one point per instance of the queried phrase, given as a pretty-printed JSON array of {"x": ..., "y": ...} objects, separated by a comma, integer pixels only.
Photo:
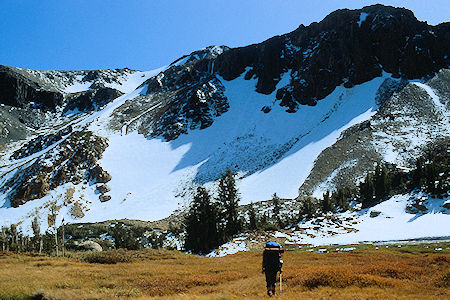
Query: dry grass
[{"x": 161, "y": 274}]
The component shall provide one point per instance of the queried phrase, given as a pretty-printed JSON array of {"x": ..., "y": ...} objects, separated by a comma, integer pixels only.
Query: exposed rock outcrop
[
  {"x": 72, "y": 160},
  {"x": 91, "y": 99},
  {"x": 347, "y": 47},
  {"x": 21, "y": 91}
]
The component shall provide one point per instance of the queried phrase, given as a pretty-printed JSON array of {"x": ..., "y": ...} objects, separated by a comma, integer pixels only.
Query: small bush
[
  {"x": 77, "y": 210},
  {"x": 444, "y": 280},
  {"x": 106, "y": 257}
]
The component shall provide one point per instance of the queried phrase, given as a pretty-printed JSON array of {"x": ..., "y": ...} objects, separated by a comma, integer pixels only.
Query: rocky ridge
[{"x": 348, "y": 47}]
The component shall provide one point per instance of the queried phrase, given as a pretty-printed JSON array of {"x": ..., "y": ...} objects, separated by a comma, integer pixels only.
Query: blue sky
[{"x": 144, "y": 35}]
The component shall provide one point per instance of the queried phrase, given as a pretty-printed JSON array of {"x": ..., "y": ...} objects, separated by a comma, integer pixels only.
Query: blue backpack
[
  {"x": 273, "y": 245},
  {"x": 272, "y": 256}
]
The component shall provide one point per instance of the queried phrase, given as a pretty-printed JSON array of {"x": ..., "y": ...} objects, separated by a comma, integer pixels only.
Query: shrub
[{"x": 106, "y": 257}]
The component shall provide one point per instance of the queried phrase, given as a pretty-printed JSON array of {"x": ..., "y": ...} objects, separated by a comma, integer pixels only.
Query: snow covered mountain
[{"x": 313, "y": 109}]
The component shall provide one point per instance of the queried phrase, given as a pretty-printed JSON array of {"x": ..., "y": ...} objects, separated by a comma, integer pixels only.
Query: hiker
[{"x": 271, "y": 265}]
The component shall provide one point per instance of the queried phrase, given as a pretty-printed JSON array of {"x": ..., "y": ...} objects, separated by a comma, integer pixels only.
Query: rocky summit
[{"x": 298, "y": 114}]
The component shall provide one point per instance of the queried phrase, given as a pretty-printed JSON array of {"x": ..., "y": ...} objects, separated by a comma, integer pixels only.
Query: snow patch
[
  {"x": 362, "y": 17},
  {"x": 235, "y": 246}
]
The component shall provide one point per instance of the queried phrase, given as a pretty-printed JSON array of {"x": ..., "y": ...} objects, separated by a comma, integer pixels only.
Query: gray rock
[
  {"x": 103, "y": 188},
  {"x": 374, "y": 213},
  {"x": 89, "y": 246},
  {"x": 105, "y": 198}
]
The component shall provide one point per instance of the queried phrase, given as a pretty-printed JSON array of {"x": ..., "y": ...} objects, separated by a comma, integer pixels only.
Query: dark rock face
[
  {"x": 192, "y": 108},
  {"x": 19, "y": 91},
  {"x": 73, "y": 160},
  {"x": 193, "y": 97},
  {"x": 348, "y": 47},
  {"x": 91, "y": 99},
  {"x": 39, "y": 143}
]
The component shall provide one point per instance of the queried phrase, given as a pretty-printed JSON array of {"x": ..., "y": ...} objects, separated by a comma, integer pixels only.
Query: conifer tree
[
  {"x": 51, "y": 220},
  {"x": 227, "y": 201},
  {"x": 366, "y": 191},
  {"x": 419, "y": 173},
  {"x": 381, "y": 183},
  {"x": 37, "y": 242},
  {"x": 343, "y": 200},
  {"x": 14, "y": 238},
  {"x": 3, "y": 238},
  {"x": 201, "y": 224},
  {"x": 328, "y": 203},
  {"x": 276, "y": 210},
  {"x": 431, "y": 176},
  {"x": 308, "y": 209},
  {"x": 252, "y": 221}
]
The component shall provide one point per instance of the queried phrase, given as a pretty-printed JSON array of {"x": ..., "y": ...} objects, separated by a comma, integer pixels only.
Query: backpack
[{"x": 272, "y": 256}]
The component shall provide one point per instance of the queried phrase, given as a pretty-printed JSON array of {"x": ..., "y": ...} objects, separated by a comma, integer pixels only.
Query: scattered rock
[
  {"x": 91, "y": 99},
  {"x": 419, "y": 206},
  {"x": 374, "y": 213},
  {"x": 103, "y": 188},
  {"x": 266, "y": 109},
  {"x": 105, "y": 198},
  {"x": 66, "y": 162}
]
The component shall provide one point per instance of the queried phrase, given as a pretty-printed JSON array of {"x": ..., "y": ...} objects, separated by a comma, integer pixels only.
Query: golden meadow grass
[{"x": 365, "y": 273}]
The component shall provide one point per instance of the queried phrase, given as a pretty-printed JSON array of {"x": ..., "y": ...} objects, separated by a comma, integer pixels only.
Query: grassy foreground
[{"x": 412, "y": 272}]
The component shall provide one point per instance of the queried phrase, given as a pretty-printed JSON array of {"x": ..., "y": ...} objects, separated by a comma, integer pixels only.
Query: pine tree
[
  {"x": 431, "y": 176},
  {"x": 328, "y": 204},
  {"x": 14, "y": 239},
  {"x": 51, "y": 220},
  {"x": 36, "y": 227},
  {"x": 366, "y": 191},
  {"x": 419, "y": 173},
  {"x": 3, "y": 238},
  {"x": 201, "y": 224},
  {"x": 252, "y": 221},
  {"x": 381, "y": 183},
  {"x": 276, "y": 210},
  {"x": 308, "y": 209},
  {"x": 343, "y": 200},
  {"x": 227, "y": 201}
]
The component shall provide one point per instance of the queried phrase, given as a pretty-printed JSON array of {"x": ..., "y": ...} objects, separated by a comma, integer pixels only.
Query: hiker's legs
[{"x": 271, "y": 279}]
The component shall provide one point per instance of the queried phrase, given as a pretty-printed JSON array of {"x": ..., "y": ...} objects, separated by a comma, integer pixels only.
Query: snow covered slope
[{"x": 299, "y": 110}]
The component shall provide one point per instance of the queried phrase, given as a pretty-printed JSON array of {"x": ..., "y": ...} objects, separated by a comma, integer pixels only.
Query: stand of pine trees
[
  {"x": 430, "y": 175},
  {"x": 209, "y": 223}
]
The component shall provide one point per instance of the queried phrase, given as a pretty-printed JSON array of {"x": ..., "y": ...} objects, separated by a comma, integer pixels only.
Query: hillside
[{"x": 301, "y": 113}]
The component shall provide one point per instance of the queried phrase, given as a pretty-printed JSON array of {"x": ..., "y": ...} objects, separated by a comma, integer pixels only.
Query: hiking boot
[{"x": 269, "y": 293}]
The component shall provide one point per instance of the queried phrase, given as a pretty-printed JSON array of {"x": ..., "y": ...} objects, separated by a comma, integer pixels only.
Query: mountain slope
[{"x": 129, "y": 144}]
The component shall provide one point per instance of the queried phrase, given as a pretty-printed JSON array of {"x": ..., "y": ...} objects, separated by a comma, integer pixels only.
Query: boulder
[
  {"x": 99, "y": 175},
  {"x": 103, "y": 188},
  {"x": 374, "y": 213},
  {"x": 89, "y": 246},
  {"x": 105, "y": 198}
]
